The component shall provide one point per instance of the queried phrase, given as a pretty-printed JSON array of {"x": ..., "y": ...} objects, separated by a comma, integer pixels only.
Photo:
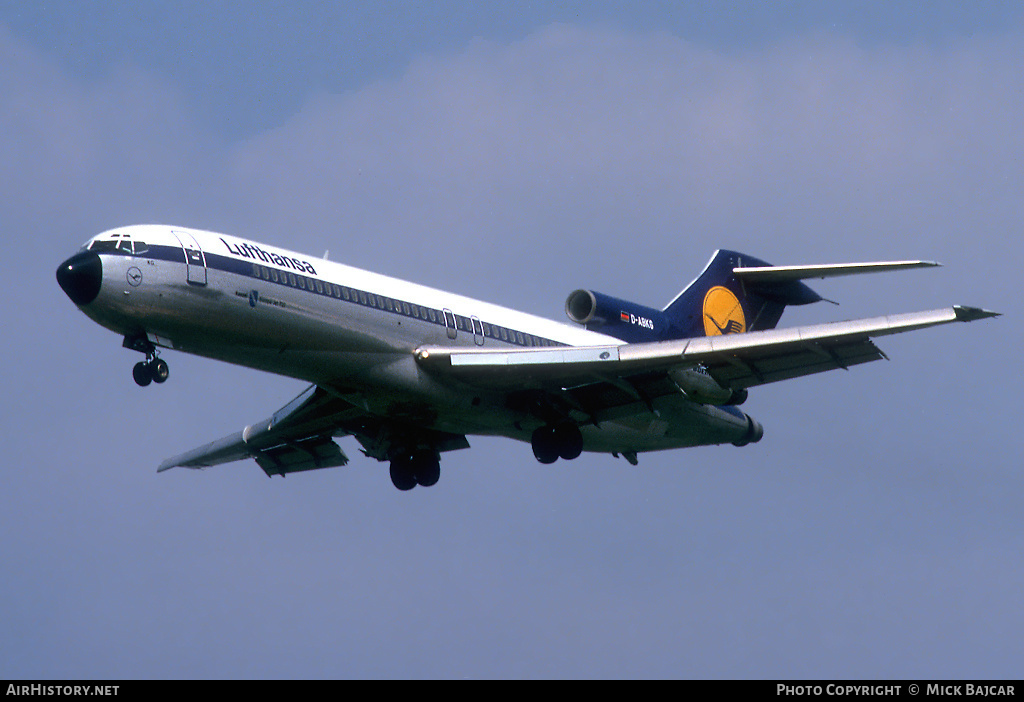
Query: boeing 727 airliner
[{"x": 410, "y": 371}]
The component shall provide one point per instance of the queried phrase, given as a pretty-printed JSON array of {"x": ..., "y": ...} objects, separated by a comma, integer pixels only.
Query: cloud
[
  {"x": 78, "y": 149},
  {"x": 571, "y": 132},
  {"x": 575, "y": 142}
]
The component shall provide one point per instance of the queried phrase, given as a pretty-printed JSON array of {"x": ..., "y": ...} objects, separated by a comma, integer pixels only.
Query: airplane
[{"x": 410, "y": 371}]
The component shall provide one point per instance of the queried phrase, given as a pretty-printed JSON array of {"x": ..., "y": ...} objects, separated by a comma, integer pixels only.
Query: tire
[
  {"x": 569, "y": 441},
  {"x": 427, "y": 469},
  {"x": 142, "y": 374},
  {"x": 159, "y": 370},
  {"x": 402, "y": 476},
  {"x": 545, "y": 449}
]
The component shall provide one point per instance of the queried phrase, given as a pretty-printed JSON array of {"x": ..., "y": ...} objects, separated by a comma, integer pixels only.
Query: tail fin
[{"x": 721, "y": 302}]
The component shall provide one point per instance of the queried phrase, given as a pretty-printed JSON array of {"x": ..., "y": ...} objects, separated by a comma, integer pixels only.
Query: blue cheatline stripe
[{"x": 291, "y": 279}]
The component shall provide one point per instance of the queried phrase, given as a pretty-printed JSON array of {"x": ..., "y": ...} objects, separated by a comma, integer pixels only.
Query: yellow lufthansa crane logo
[{"x": 723, "y": 313}]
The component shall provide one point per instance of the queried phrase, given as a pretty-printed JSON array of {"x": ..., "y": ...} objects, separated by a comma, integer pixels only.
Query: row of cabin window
[{"x": 404, "y": 308}]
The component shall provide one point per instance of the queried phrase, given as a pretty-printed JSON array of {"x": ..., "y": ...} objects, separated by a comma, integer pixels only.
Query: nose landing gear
[{"x": 154, "y": 369}]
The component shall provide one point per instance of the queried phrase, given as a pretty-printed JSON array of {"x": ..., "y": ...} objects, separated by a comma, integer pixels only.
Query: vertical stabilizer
[{"x": 719, "y": 302}]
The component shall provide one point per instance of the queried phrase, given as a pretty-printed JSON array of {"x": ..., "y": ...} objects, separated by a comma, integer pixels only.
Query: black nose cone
[{"x": 80, "y": 277}]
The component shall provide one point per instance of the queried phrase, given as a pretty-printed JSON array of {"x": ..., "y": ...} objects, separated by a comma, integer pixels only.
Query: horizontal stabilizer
[{"x": 782, "y": 274}]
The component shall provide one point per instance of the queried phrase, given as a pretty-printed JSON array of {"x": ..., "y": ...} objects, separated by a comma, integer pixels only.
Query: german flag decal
[
  {"x": 723, "y": 313},
  {"x": 623, "y": 316}
]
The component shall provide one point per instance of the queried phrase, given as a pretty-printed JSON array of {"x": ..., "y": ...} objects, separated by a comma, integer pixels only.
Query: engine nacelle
[
  {"x": 701, "y": 387},
  {"x": 619, "y": 318},
  {"x": 754, "y": 433}
]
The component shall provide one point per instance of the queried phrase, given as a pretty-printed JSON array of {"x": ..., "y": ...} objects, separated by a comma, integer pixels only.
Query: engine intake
[
  {"x": 619, "y": 318},
  {"x": 581, "y": 306}
]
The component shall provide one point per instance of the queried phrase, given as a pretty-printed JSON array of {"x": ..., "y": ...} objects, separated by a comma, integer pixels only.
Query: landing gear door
[{"x": 195, "y": 260}]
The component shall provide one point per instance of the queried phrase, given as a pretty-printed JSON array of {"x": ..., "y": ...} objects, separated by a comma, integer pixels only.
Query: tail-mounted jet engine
[{"x": 619, "y": 318}]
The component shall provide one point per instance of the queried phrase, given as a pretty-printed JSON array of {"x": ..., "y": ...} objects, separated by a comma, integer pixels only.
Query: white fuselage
[{"x": 353, "y": 333}]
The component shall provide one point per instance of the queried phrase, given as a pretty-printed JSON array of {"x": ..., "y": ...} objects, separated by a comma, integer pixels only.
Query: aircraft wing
[
  {"x": 300, "y": 436},
  {"x": 297, "y": 437},
  {"x": 734, "y": 361}
]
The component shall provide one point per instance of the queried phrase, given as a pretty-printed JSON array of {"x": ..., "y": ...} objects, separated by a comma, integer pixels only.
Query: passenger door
[{"x": 195, "y": 260}]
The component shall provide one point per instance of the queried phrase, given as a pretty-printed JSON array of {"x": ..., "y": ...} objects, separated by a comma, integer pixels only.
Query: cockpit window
[{"x": 126, "y": 245}]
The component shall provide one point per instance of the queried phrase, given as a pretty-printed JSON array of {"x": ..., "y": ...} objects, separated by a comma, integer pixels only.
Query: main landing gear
[
  {"x": 552, "y": 442},
  {"x": 411, "y": 469}
]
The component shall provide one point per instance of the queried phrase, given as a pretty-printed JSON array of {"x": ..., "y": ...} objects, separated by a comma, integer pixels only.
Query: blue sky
[{"x": 514, "y": 152}]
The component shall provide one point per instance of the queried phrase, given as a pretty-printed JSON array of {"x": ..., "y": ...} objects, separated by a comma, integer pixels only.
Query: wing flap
[
  {"x": 747, "y": 370},
  {"x": 308, "y": 454}
]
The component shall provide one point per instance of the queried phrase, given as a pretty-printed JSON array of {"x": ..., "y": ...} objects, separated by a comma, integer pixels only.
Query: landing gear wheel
[
  {"x": 142, "y": 374},
  {"x": 545, "y": 448},
  {"x": 159, "y": 370},
  {"x": 427, "y": 469},
  {"x": 569, "y": 441},
  {"x": 402, "y": 476}
]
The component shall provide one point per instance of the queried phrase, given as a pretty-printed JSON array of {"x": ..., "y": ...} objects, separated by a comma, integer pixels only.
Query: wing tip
[{"x": 969, "y": 314}]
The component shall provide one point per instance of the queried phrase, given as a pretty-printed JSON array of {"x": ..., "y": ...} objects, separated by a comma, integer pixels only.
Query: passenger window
[
  {"x": 319, "y": 287},
  {"x": 291, "y": 280},
  {"x": 273, "y": 274}
]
